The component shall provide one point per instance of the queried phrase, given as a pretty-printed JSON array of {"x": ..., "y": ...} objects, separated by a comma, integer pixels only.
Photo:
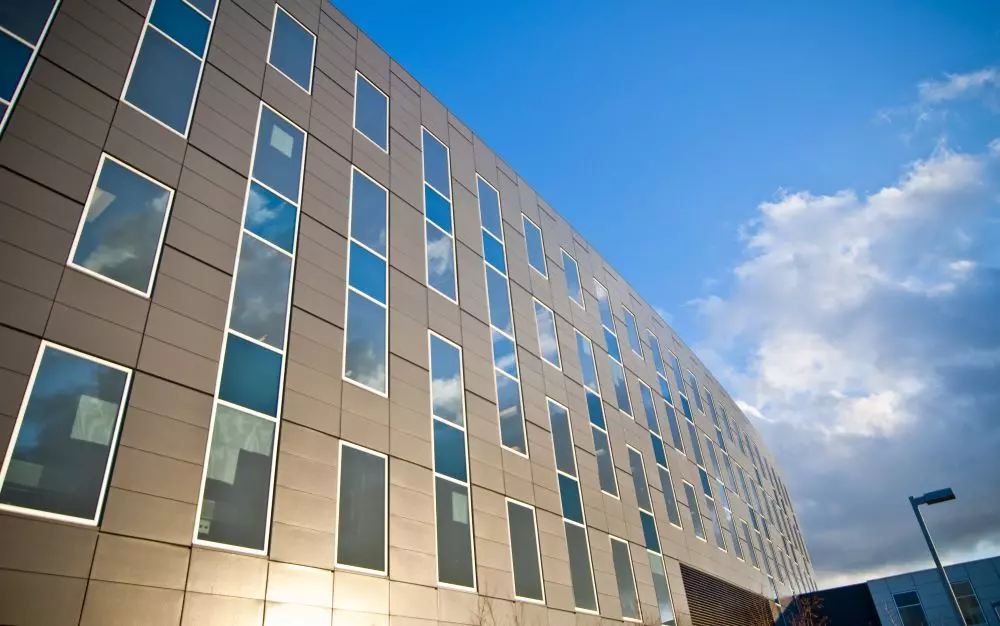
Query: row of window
[
  {"x": 911, "y": 612},
  {"x": 22, "y": 31}
]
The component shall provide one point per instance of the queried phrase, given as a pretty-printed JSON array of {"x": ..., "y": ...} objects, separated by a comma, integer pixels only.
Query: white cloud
[{"x": 956, "y": 86}]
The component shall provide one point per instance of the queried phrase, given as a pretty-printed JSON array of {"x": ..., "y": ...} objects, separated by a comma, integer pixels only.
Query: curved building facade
[{"x": 284, "y": 342}]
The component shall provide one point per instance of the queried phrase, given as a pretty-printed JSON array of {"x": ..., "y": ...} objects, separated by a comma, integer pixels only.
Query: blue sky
[{"x": 745, "y": 148}]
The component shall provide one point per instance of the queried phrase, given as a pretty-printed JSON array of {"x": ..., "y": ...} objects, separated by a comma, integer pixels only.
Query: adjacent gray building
[
  {"x": 918, "y": 598},
  {"x": 284, "y": 342}
]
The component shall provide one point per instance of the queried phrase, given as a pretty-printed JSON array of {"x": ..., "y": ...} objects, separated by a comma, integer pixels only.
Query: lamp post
[{"x": 936, "y": 497}]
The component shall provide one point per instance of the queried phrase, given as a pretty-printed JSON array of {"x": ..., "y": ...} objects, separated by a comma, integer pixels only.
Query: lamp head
[{"x": 936, "y": 497}]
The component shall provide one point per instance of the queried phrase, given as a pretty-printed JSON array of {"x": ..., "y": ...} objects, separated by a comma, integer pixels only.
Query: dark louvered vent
[{"x": 714, "y": 602}]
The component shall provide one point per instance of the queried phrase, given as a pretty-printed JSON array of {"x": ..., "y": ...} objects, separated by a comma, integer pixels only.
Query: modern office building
[{"x": 284, "y": 342}]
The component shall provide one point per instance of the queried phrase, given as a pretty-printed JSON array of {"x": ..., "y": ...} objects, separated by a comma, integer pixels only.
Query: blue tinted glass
[
  {"x": 569, "y": 492},
  {"x": 621, "y": 390},
  {"x": 437, "y": 209},
  {"x": 14, "y": 57},
  {"x": 504, "y": 354},
  {"x": 662, "y": 590},
  {"x": 260, "y": 299},
  {"x": 572, "y": 278},
  {"x": 604, "y": 306},
  {"x": 206, "y": 6},
  {"x": 668, "y": 495},
  {"x": 548, "y": 345},
  {"x": 719, "y": 439},
  {"x": 509, "y": 408},
  {"x": 367, "y": 273},
  {"x": 25, "y": 19},
  {"x": 693, "y": 433},
  {"x": 588, "y": 368},
  {"x": 454, "y": 537},
  {"x": 449, "y": 451},
  {"x": 654, "y": 345},
  {"x": 489, "y": 209},
  {"x": 365, "y": 350},
  {"x": 649, "y": 408},
  {"x": 595, "y": 409},
  {"x": 665, "y": 390},
  {"x": 658, "y": 452},
  {"x": 625, "y": 579},
  {"x": 369, "y": 213},
  {"x": 371, "y": 112},
  {"x": 271, "y": 217},
  {"x": 3, "y": 111},
  {"x": 60, "y": 458},
  {"x": 168, "y": 101},
  {"x": 581, "y": 575},
  {"x": 493, "y": 252},
  {"x": 605, "y": 466},
  {"x": 446, "y": 381},
  {"x": 278, "y": 161},
  {"x": 436, "y": 169},
  {"x": 633, "y": 333},
  {"x": 499, "y": 301},
  {"x": 706, "y": 486},
  {"x": 675, "y": 429},
  {"x": 612, "y": 343},
  {"x": 649, "y": 531},
  {"x": 182, "y": 23},
  {"x": 693, "y": 384},
  {"x": 292, "y": 50},
  {"x": 250, "y": 376},
  {"x": 536, "y": 251},
  {"x": 639, "y": 480},
  {"x": 685, "y": 407},
  {"x": 440, "y": 262},
  {"x": 562, "y": 439},
  {"x": 121, "y": 233}
]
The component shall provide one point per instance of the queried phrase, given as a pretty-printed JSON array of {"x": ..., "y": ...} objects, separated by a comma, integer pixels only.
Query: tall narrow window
[
  {"x": 679, "y": 380},
  {"x": 748, "y": 544},
  {"x": 122, "y": 226},
  {"x": 662, "y": 589},
  {"x": 659, "y": 454},
  {"x": 614, "y": 352},
  {"x": 453, "y": 506},
  {"x": 661, "y": 377},
  {"x": 595, "y": 408},
  {"x": 651, "y": 536},
  {"x": 173, "y": 44},
  {"x": 506, "y": 373},
  {"x": 548, "y": 341},
  {"x": 439, "y": 233},
  {"x": 362, "y": 510},
  {"x": 59, "y": 458},
  {"x": 366, "y": 327},
  {"x": 968, "y": 602},
  {"x": 237, "y": 483},
  {"x": 573, "y": 286},
  {"x": 621, "y": 557},
  {"x": 710, "y": 509},
  {"x": 692, "y": 504},
  {"x": 525, "y": 555},
  {"x": 695, "y": 393},
  {"x": 632, "y": 331},
  {"x": 371, "y": 112},
  {"x": 536, "y": 249},
  {"x": 730, "y": 520},
  {"x": 292, "y": 49},
  {"x": 574, "y": 522},
  {"x": 22, "y": 31}
]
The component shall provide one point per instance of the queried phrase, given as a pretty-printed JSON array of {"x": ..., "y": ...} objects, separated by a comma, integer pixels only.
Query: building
[{"x": 286, "y": 343}]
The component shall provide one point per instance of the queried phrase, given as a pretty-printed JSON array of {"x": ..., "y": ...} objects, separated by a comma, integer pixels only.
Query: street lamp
[{"x": 936, "y": 497}]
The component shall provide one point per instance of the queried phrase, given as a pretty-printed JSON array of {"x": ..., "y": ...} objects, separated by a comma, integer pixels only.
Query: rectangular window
[
  {"x": 548, "y": 341},
  {"x": 362, "y": 506},
  {"x": 695, "y": 447},
  {"x": 695, "y": 393},
  {"x": 536, "y": 250},
  {"x": 621, "y": 557},
  {"x": 713, "y": 457},
  {"x": 371, "y": 112},
  {"x": 632, "y": 331},
  {"x": 614, "y": 352},
  {"x": 121, "y": 230},
  {"x": 292, "y": 49},
  {"x": 646, "y": 517},
  {"x": 588, "y": 367},
  {"x": 675, "y": 429},
  {"x": 910, "y": 611},
  {"x": 662, "y": 588},
  {"x": 581, "y": 573},
  {"x": 968, "y": 602},
  {"x": 692, "y": 503},
  {"x": 654, "y": 346},
  {"x": 730, "y": 520},
  {"x": 748, "y": 544},
  {"x": 573, "y": 285},
  {"x": 668, "y": 496},
  {"x": 22, "y": 31},
  {"x": 59, "y": 458},
  {"x": 595, "y": 409},
  {"x": 173, "y": 44},
  {"x": 438, "y": 218},
  {"x": 525, "y": 554},
  {"x": 366, "y": 346}
]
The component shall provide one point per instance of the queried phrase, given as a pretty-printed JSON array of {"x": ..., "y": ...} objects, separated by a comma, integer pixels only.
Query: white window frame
[
  {"x": 312, "y": 59},
  {"x": 555, "y": 331},
  {"x": 696, "y": 511},
  {"x": 354, "y": 119},
  {"x": 35, "y": 47},
  {"x": 635, "y": 589},
  {"x": 336, "y": 522},
  {"x": 544, "y": 272},
  {"x": 427, "y": 221},
  {"x": 576, "y": 270},
  {"x": 510, "y": 550},
  {"x": 627, "y": 314},
  {"x": 611, "y": 454}
]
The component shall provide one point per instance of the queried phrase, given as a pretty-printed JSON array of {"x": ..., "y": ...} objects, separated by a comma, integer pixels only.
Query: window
[
  {"x": 371, "y": 111},
  {"x": 668, "y": 495},
  {"x": 646, "y": 516},
  {"x": 621, "y": 556},
  {"x": 237, "y": 483},
  {"x": 59, "y": 458},
  {"x": 22, "y": 30},
  {"x": 366, "y": 346},
  {"x": 438, "y": 223},
  {"x": 967, "y": 601},
  {"x": 525, "y": 554},
  {"x": 587, "y": 366},
  {"x": 536, "y": 251},
  {"x": 292, "y": 49},
  {"x": 614, "y": 352},
  {"x": 730, "y": 520},
  {"x": 122, "y": 227},
  {"x": 173, "y": 44},
  {"x": 692, "y": 503},
  {"x": 693, "y": 434},
  {"x": 548, "y": 342},
  {"x": 581, "y": 574},
  {"x": 748, "y": 544},
  {"x": 573, "y": 286},
  {"x": 693, "y": 387},
  {"x": 362, "y": 509},
  {"x": 713, "y": 457},
  {"x": 632, "y": 331},
  {"x": 662, "y": 588},
  {"x": 910, "y": 611},
  {"x": 595, "y": 409}
]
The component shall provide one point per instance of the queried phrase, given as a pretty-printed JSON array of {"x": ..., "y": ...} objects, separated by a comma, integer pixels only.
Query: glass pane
[
  {"x": 658, "y": 452},
  {"x": 369, "y": 213},
  {"x": 536, "y": 251},
  {"x": 524, "y": 552},
  {"x": 250, "y": 376},
  {"x": 654, "y": 346},
  {"x": 572, "y": 272},
  {"x": 668, "y": 496},
  {"x": 441, "y": 262},
  {"x": 625, "y": 579},
  {"x": 260, "y": 299},
  {"x": 271, "y": 217},
  {"x": 182, "y": 23},
  {"x": 60, "y": 459},
  {"x": 207, "y": 6},
  {"x": 605, "y": 466},
  {"x": 168, "y": 101},
  {"x": 446, "y": 381},
  {"x": 371, "y": 112},
  {"x": 499, "y": 301},
  {"x": 693, "y": 433},
  {"x": 25, "y": 19},
  {"x": 449, "y": 451},
  {"x": 604, "y": 306},
  {"x": 509, "y": 407},
  {"x": 238, "y": 482},
  {"x": 579, "y": 567},
  {"x": 436, "y": 169},
  {"x": 639, "y": 480},
  {"x": 364, "y": 358},
  {"x": 662, "y": 590},
  {"x": 562, "y": 440},
  {"x": 493, "y": 252},
  {"x": 633, "y": 333},
  {"x": 693, "y": 384},
  {"x": 913, "y": 616},
  {"x": 587, "y": 367},
  {"x": 454, "y": 540},
  {"x": 595, "y": 409},
  {"x": 611, "y": 341},
  {"x": 361, "y": 521},
  {"x": 649, "y": 408},
  {"x": 569, "y": 493},
  {"x": 14, "y": 57},
  {"x": 665, "y": 390},
  {"x": 121, "y": 232},
  {"x": 489, "y": 209},
  {"x": 649, "y": 531},
  {"x": 621, "y": 390},
  {"x": 278, "y": 160},
  {"x": 547, "y": 342},
  {"x": 292, "y": 50},
  {"x": 692, "y": 503},
  {"x": 437, "y": 209},
  {"x": 504, "y": 356},
  {"x": 367, "y": 273},
  {"x": 970, "y": 611}
]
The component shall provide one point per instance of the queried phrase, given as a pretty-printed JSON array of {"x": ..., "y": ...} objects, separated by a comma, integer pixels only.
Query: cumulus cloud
[
  {"x": 955, "y": 86},
  {"x": 933, "y": 97}
]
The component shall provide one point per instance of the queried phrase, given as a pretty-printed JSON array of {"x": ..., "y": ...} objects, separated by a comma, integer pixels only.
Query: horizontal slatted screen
[{"x": 714, "y": 602}]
